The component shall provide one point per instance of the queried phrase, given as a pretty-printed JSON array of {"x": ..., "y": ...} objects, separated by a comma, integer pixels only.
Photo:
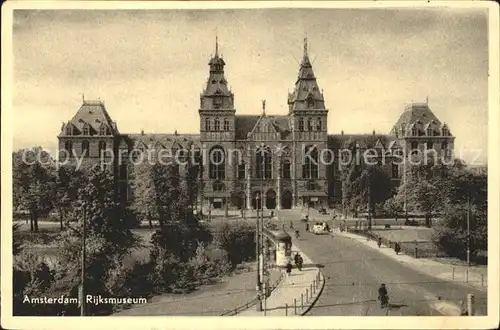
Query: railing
[{"x": 254, "y": 301}]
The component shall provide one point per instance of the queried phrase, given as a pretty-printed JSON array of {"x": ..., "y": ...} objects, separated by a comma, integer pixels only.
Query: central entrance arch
[
  {"x": 286, "y": 199},
  {"x": 271, "y": 199}
]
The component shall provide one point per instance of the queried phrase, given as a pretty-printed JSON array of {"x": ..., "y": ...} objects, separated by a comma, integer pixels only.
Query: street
[{"x": 353, "y": 273}]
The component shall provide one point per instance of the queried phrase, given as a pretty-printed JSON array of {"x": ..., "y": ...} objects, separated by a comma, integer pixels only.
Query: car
[{"x": 319, "y": 228}]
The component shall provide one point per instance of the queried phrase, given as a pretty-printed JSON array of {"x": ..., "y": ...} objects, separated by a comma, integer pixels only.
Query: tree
[
  {"x": 108, "y": 234},
  {"x": 68, "y": 182},
  {"x": 393, "y": 206},
  {"x": 33, "y": 183}
]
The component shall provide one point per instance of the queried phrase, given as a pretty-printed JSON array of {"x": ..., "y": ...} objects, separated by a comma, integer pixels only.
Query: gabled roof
[
  {"x": 174, "y": 141},
  {"x": 279, "y": 124},
  {"x": 244, "y": 124},
  {"x": 340, "y": 141},
  {"x": 416, "y": 112}
]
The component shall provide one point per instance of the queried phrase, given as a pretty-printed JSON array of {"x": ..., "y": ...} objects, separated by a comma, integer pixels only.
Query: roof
[
  {"x": 279, "y": 123},
  {"x": 162, "y": 140},
  {"x": 244, "y": 124},
  {"x": 339, "y": 141},
  {"x": 416, "y": 112},
  {"x": 93, "y": 114}
]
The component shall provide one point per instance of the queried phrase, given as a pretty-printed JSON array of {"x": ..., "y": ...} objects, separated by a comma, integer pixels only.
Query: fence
[
  {"x": 254, "y": 301},
  {"x": 300, "y": 307}
]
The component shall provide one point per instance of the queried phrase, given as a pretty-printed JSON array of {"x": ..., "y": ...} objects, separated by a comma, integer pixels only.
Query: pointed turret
[
  {"x": 307, "y": 94},
  {"x": 217, "y": 94}
]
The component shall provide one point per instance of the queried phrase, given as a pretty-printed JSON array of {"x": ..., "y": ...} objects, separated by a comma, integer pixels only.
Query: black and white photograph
[{"x": 251, "y": 159}]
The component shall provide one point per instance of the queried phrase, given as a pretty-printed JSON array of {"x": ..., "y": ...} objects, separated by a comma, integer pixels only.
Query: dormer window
[
  {"x": 207, "y": 124},
  {"x": 445, "y": 131},
  {"x": 216, "y": 124},
  {"x": 69, "y": 129},
  {"x": 310, "y": 102},
  {"x": 217, "y": 102},
  {"x": 318, "y": 124},
  {"x": 86, "y": 129},
  {"x": 430, "y": 132},
  {"x": 226, "y": 125},
  {"x": 103, "y": 130},
  {"x": 414, "y": 131}
]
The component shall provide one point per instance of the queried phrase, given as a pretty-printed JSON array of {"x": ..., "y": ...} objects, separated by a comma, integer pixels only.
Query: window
[
  {"x": 103, "y": 130},
  {"x": 318, "y": 124},
  {"x": 68, "y": 146},
  {"x": 301, "y": 124},
  {"x": 123, "y": 172},
  {"x": 309, "y": 124},
  {"x": 207, "y": 125},
  {"x": 217, "y": 102},
  {"x": 287, "y": 169},
  {"x": 310, "y": 167},
  {"x": 217, "y": 163},
  {"x": 430, "y": 132},
  {"x": 69, "y": 130},
  {"x": 218, "y": 186},
  {"x": 85, "y": 147},
  {"x": 102, "y": 147},
  {"x": 226, "y": 125},
  {"x": 414, "y": 145},
  {"x": 414, "y": 131},
  {"x": 310, "y": 102},
  {"x": 395, "y": 170},
  {"x": 263, "y": 163},
  {"x": 217, "y": 124},
  {"x": 429, "y": 145},
  {"x": 445, "y": 131},
  {"x": 444, "y": 145},
  {"x": 241, "y": 171},
  {"x": 86, "y": 130}
]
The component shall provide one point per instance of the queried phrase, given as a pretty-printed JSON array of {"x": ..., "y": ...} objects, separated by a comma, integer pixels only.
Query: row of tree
[{"x": 450, "y": 192}]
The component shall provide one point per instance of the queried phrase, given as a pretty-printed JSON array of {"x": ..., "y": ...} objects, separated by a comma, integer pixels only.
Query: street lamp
[
  {"x": 258, "y": 256},
  {"x": 82, "y": 285}
]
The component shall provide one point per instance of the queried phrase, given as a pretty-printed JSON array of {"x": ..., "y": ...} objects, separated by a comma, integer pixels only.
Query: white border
[{"x": 327, "y": 322}]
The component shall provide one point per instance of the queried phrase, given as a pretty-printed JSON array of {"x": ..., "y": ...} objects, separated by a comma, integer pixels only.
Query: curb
[{"x": 317, "y": 295}]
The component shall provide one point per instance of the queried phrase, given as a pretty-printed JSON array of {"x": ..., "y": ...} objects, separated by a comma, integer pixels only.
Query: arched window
[
  {"x": 310, "y": 102},
  {"x": 318, "y": 124},
  {"x": 69, "y": 129},
  {"x": 85, "y": 147},
  {"x": 68, "y": 146},
  {"x": 216, "y": 124},
  {"x": 207, "y": 125},
  {"x": 226, "y": 124},
  {"x": 301, "y": 124},
  {"x": 311, "y": 164},
  {"x": 287, "y": 166},
  {"x": 241, "y": 171},
  {"x": 102, "y": 147},
  {"x": 263, "y": 163},
  {"x": 217, "y": 166},
  {"x": 309, "y": 124}
]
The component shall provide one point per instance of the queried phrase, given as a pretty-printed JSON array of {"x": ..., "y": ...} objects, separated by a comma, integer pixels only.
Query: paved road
[{"x": 353, "y": 273}]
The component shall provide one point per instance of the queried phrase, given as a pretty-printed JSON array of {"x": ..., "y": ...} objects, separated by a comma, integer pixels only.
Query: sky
[{"x": 150, "y": 66}]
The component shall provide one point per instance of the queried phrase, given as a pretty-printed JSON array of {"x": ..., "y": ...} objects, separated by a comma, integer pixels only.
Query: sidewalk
[
  {"x": 469, "y": 276},
  {"x": 302, "y": 286}
]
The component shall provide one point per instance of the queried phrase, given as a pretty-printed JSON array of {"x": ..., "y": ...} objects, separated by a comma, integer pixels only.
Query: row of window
[
  {"x": 429, "y": 145},
  {"x": 103, "y": 130},
  {"x": 216, "y": 124},
  {"x": 310, "y": 124},
  {"x": 68, "y": 146},
  {"x": 430, "y": 132}
]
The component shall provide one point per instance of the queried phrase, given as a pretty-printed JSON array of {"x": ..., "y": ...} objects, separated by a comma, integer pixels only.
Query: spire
[
  {"x": 427, "y": 100},
  {"x": 305, "y": 47},
  {"x": 216, "y": 46},
  {"x": 263, "y": 107}
]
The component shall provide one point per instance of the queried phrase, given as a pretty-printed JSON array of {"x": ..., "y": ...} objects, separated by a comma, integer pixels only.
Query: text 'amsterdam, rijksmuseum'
[{"x": 286, "y": 178}]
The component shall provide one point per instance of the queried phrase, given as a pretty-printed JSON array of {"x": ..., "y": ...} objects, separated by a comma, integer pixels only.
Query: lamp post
[
  {"x": 258, "y": 256},
  {"x": 82, "y": 285}
]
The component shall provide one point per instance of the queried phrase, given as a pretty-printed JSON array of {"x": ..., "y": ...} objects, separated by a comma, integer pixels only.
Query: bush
[
  {"x": 209, "y": 263},
  {"x": 236, "y": 238}
]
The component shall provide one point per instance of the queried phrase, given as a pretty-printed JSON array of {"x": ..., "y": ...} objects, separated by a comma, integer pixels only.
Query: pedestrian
[
  {"x": 300, "y": 261},
  {"x": 307, "y": 227},
  {"x": 288, "y": 268},
  {"x": 379, "y": 242},
  {"x": 397, "y": 248},
  {"x": 296, "y": 258}
]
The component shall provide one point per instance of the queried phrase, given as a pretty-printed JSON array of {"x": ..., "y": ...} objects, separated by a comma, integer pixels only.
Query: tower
[
  {"x": 307, "y": 109},
  {"x": 217, "y": 133}
]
